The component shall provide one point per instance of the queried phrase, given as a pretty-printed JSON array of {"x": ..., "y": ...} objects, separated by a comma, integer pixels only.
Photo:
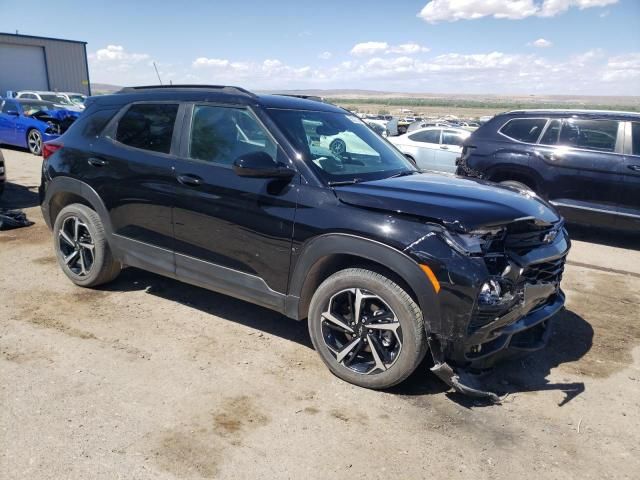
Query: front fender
[{"x": 330, "y": 244}]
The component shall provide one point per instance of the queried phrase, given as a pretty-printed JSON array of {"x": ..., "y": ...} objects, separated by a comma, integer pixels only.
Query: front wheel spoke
[
  {"x": 392, "y": 326},
  {"x": 87, "y": 246},
  {"x": 347, "y": 350},
  {"x": 329, "y": 317},
  {"x": 83, "y": 266},
  {"x": 373, "y": 344},
  {"x": 69, "y": 258},
  {"x": 76, "y": 229},
  {"x": 65, "y": 236}
]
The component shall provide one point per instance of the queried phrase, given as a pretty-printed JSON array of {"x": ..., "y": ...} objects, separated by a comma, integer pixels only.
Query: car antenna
[{"x": 157, "y": 73}]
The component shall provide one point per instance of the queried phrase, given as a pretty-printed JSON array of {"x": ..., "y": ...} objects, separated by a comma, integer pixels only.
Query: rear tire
[
  {"x": 81, "y": 247},
  {"x": 390, "y": 322}
]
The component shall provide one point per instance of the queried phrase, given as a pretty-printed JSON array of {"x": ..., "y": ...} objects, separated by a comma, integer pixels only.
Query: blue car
[{"x": 30, "y": 123}]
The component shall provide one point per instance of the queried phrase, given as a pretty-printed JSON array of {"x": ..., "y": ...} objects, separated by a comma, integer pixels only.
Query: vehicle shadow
[
  {"x": 228, "y": 308},
  {"x": 571, "y": 339},
  {"x": 611, "y": 238},
  {"x": 17, "y": 196}
]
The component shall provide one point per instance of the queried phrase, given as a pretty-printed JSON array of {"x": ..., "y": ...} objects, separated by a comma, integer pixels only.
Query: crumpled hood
[
  {"x": 460, "y": 203},
  {"x": 45, "y": 115}
]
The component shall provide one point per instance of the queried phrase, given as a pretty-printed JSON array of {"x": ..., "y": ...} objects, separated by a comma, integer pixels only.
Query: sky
[{"x": 586, "y": 47}]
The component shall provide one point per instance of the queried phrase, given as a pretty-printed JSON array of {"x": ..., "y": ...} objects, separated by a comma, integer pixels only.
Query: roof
[
  {"x": 19, "y": 35},
  {"x": 573, "y": 111},
  {"x": 214, "y": 93}
]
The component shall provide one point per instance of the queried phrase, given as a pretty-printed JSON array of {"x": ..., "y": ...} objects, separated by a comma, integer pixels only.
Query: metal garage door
[{"x": 22, "y": 67}]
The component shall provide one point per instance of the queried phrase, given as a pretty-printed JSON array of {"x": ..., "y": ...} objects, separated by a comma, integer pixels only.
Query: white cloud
[
  {"x": 622, "y": 68},
  {"x": 372, "y": 48},
  {"x": 325, "y": 56},
  {"x": 117, "y": 53},
  {"x": 409, "y": 48},
  {"x": 369, "y": 48},
  {"x": 453, "y": 10},
  {"x": 540, "y": 43}
]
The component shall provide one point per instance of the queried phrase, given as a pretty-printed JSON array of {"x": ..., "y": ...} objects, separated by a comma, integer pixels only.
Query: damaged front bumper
[{"x": 506, "y": 337}]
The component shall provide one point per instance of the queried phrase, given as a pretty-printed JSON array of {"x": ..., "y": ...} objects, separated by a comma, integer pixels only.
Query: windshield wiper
[
  {"x": 337, "y": 183},
  {"x": 404, "y": 173}
]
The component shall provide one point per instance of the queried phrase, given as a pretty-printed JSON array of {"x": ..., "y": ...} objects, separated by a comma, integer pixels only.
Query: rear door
[
  {"x": 422, "y": 146},
  {"x": 450, "y": 149},
  {"x": 134, "y": 167},
  {"x": 585, "y": 157},
  {"x": 232, "y": 233}
]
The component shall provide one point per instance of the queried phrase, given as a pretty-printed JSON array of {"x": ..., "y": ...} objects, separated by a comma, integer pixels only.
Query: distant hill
[{"x": 104, "y": 88}]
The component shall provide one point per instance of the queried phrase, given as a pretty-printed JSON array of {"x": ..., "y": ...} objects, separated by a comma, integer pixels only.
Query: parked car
[
  {"x": 3, "y": 174},
  {"x": 417, "y": 125},
  {"x": 386, "y": 263},
  {"x": 30, "y": 123},
  {"x": 586, "y": 163},
  {"x": 378, "y": 126},
  {"x": 76, "y": 99},
  {"x": 432, "y": 148},
  {"x": 59, "y": 100}
]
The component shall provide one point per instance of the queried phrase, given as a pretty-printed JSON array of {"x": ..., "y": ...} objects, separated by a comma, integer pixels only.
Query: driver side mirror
[{"x": 260, "y": 165}]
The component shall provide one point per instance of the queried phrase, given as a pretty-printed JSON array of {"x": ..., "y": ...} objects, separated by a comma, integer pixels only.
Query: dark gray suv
[{"x": 586, "y": 163}]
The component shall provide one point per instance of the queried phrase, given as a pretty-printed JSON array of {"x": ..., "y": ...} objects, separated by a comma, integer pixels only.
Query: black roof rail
[
  {"x": 230, "y": 88},
  {"x": 315, "y": 98}
]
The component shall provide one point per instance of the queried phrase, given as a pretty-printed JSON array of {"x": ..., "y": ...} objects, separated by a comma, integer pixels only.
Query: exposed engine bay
[{"x": 58, "y": 121}]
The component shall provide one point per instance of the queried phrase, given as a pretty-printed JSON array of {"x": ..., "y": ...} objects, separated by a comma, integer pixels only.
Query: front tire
[
  {"x": 81, "y": 247},
  {"x": 366, "y": 328},
  {"x": 34, "y": 141}
]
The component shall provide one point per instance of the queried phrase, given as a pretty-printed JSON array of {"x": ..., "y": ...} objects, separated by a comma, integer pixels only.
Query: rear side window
[
  {"x": 428, "y": 136},
  {"x": 148, "y": 126},
  {"x": 452, "y": 138},
  {"x": 589, "y": 134},
  {"x": 635, "y": 137},
  {"x": 524, "y": 129}
]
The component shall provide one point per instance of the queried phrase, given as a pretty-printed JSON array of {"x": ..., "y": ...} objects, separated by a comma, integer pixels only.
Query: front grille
[
  {"x": 527, "y": 236},
  {"x": 546, "y": 272}
]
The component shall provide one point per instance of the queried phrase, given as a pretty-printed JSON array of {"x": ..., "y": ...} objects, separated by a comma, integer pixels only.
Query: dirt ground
[{"x": 148, "y": 378}]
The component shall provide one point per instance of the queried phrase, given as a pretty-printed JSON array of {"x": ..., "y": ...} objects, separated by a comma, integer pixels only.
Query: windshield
[
  {"x": 340, "y": 146},
  {"x": 55, "y": 98}
]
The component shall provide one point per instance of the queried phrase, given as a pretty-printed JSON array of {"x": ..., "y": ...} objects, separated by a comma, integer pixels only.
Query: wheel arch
[
  {"x": 329, "y": 253},
  {"x": 525, "y": 175},
  {"x": 63, "y": 191}
]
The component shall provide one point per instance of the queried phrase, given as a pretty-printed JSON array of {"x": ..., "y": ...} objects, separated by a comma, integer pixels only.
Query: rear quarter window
[
  {"x": 148, "y": 126},
  {"x": 524, "y": 129},
  {"x": 635, "y": 138}
]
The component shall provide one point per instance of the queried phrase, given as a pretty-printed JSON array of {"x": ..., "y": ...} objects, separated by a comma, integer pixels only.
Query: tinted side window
[
  {"x": 148, "y": 126},
  {"x": 222, "y": 134},
  {"x": 635, "y": 138},
  {"x": 428, "y": 136},
  {"x": 591, "y": 134},
  {"x": 551, "y": 134},
  {"x": 452, "y": 138},
  {"x": 524, "y": 129}
]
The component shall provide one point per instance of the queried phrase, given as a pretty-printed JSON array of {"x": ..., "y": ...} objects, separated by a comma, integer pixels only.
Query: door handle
[
  {"x": 444, "y": 147},
  {"x": 635, "y": 168},
  {"x": 190, "y": 180},
  {"x": 97, "y": 162}
]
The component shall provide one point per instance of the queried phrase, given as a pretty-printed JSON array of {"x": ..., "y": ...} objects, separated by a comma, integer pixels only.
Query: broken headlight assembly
[
  {"x": 472, "y": 243},
  {"x": 53, "y": 128}
]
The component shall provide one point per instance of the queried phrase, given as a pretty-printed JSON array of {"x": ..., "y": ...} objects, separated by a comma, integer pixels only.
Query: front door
[
  {"x": 630, "y": 204},
  {"x": 450, "y": 149},
  {"x": 8, "y": 122},
  {"x": 232, "y": 234}
]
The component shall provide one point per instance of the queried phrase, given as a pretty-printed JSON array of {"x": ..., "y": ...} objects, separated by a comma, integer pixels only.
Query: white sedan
[{"x": 432, "y": 148}]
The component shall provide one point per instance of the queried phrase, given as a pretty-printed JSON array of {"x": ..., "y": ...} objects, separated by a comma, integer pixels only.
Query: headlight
[{"x": 472, "y": 243}]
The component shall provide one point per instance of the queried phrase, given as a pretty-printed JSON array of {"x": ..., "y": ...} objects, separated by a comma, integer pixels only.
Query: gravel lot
[{"x": 150, "y": 378}]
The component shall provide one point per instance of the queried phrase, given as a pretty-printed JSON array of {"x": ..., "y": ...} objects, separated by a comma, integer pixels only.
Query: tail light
[{"x": 49, "y": 148}]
